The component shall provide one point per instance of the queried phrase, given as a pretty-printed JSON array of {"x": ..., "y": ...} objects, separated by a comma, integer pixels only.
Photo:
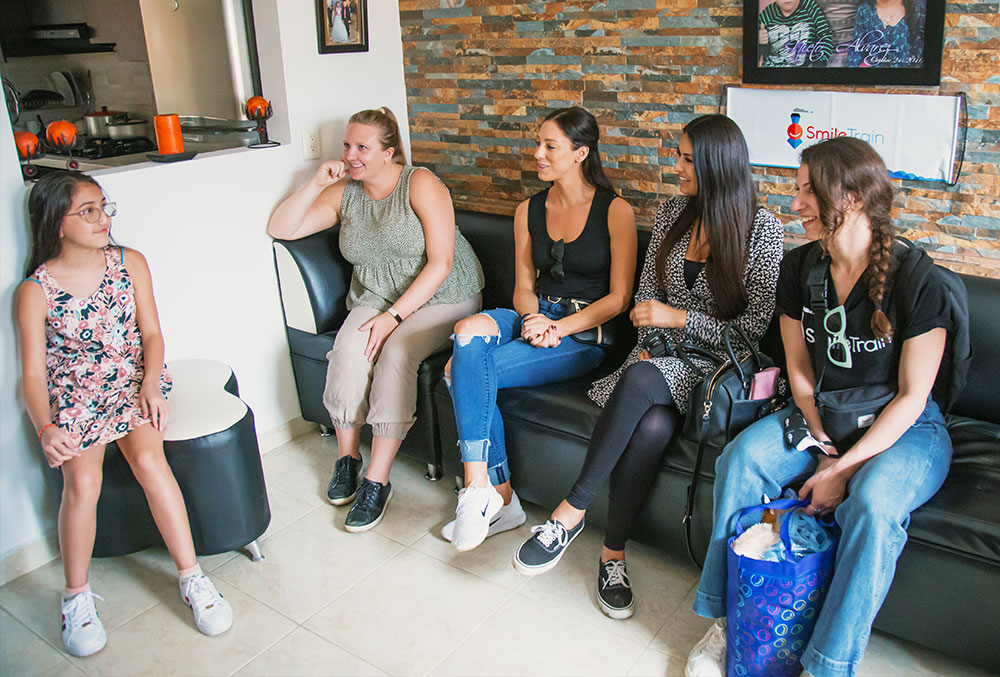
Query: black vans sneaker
[
  {"x": 614, "y": 589},
  {"x": 542, "y": 551},
  {"x": 369, "y": 507},
  {"x": 343, "y": 485}
]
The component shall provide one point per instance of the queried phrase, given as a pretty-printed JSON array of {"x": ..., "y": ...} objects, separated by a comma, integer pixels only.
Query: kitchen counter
[{"x": 58, "y": 161}]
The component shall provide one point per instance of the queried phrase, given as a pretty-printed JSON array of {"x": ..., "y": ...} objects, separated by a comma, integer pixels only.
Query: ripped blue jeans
[{"x": 481, "y": 365}]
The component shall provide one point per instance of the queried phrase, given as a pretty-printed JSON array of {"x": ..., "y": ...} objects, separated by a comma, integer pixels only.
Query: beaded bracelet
[{"x": 47, "y": 425}]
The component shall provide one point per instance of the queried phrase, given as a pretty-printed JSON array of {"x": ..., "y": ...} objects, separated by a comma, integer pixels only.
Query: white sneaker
[
  {"x": 212, "y": 614},
  {"x": 82, "y": 631},
  {"x": 477, "y": 506},
  {"x": 510, "y": 516},
  {"x": 708, "y": 657}
]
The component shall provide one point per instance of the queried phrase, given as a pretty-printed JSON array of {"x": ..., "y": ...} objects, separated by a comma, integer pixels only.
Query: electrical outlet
[{"x": 310, "y": 145}]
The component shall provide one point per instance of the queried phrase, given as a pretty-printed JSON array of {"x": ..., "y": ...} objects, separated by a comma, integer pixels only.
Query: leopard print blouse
[{"x": 702, "y": 327}]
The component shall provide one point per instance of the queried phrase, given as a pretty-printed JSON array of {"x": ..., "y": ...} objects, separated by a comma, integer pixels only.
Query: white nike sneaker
[
  {"x": 510, "y": 516},
  {"x": 476, "y": 508},
  {"x": 708, "y": 657}
]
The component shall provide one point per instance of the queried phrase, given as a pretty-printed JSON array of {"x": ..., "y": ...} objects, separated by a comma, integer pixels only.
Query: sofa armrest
[{"x": 313, "y": 281}]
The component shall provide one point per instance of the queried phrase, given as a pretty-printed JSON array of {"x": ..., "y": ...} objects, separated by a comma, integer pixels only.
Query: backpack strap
[{"x": 817, "y": 269}]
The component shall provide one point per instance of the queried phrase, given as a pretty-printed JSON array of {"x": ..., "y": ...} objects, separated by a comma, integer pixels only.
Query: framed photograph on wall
[
  {"x": 342, "y": 26},
  {"x": 848, "y": 42}
]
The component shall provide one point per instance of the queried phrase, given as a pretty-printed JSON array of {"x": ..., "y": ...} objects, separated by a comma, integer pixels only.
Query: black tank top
[{"x": 586, "y": 261}]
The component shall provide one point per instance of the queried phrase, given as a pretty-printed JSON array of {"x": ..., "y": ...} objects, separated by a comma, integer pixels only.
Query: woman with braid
[{"x": 876, "y": 331}]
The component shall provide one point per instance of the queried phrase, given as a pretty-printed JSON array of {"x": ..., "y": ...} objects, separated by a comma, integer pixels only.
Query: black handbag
[
  {"x": 603, "y": 335},
  {"x": 720, "y": 406},
  {"x": 846, "y": 414}
]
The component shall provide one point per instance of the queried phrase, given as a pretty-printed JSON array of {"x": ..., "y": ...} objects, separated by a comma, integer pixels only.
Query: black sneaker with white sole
[
  {"x": 542, "y": 551},
  {"x": 369, "y": 507},
  {"x": 343, "y": 485},
  {"x": 614, "y": 589}
]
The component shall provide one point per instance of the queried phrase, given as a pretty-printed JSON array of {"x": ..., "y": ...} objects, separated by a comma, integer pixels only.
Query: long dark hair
[
  {"x": 845, "y": 167},
  {"x": 50, "y": 200},
  {"x": 725, "y": 206},
  {"x": 581, "y": 129}
]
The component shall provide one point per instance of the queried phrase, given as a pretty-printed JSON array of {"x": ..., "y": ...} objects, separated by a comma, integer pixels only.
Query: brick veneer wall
[{"x": 480, "y": 74}]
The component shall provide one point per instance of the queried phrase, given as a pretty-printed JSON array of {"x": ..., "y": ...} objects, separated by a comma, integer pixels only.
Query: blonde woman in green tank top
[{"x": 413, "y": 277}]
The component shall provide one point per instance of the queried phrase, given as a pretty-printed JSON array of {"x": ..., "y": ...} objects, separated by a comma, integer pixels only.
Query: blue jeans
[
  {"x": 873, "y": 521},
  {"x": 481, "y": 365}
]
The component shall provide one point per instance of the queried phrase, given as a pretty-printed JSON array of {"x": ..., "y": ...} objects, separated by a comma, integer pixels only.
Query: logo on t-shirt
[{"x": 857, "y": 344}]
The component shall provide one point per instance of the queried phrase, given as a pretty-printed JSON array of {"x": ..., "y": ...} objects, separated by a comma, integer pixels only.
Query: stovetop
[{"x": 101, "y": 148}]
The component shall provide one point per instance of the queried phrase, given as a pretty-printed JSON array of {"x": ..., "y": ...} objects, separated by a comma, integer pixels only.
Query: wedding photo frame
[
  {"x": 848, "y": 42},
  {"x": 342, "y": 26}
]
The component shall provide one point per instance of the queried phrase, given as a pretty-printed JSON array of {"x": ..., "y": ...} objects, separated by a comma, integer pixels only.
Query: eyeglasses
[
  {"x": 558, "y": 250},
  {"x": 93, "y": 214},
  {"x": 838, "y": 350}
]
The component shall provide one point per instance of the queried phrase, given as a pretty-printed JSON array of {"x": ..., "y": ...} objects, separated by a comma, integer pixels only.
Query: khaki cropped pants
[{"x": 383, "y": 393}]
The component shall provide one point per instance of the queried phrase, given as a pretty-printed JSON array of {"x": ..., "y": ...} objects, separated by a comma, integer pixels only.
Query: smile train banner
[{"x": 915, "y": 134}]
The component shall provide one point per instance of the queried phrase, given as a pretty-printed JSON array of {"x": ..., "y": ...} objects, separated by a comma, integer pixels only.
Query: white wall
[{"x": 201, "y": 225}]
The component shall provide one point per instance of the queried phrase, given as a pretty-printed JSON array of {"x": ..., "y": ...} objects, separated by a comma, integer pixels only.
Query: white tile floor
[{"x": 396, "y": 600}]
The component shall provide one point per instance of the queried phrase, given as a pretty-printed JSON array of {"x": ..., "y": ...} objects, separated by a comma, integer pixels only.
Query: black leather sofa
[{"x": 946, "y": 592}]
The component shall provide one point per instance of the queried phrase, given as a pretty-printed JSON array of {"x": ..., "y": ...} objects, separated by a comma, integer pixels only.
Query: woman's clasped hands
[{"x": 540, "y": 331}]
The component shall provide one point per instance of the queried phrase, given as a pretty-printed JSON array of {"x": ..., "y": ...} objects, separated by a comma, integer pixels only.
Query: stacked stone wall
[{"x": 480, "y": 74}]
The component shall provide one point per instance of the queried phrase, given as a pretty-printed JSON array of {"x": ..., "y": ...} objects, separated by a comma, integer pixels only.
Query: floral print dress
[{"x": 94, "y": 356}]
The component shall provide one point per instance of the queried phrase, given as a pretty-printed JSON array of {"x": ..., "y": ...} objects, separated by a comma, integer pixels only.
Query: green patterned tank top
[{"x": 384, "y": 242}]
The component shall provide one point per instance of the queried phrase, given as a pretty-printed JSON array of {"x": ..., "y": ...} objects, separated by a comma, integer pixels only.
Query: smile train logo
[{"x": 795, "y": 131}]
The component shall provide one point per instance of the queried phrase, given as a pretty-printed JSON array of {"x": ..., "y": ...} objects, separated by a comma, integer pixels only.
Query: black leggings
[{"x": 628, "y": 441}]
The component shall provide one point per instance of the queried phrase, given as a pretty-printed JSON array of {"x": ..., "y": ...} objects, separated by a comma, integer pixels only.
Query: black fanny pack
[
  {"x": 603, "y": 335},
  {"x": 845, "y": 414}
]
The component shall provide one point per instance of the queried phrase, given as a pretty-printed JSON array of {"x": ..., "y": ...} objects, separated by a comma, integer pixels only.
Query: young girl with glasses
[
  {"x": 871, "y": 336},
  {"x": 713, "y": 258},
  {"x": 92, "y": 372},
  {"x": 575, "y": 247}
]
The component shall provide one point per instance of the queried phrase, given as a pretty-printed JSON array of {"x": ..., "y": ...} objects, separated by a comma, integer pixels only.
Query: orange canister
[{"x": 168, "y": 134}]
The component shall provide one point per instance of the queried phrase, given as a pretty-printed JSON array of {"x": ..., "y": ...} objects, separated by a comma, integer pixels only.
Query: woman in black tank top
[{"x": 575, "y": 251}]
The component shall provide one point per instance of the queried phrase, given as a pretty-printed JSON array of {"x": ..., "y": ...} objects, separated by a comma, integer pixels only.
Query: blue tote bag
[{"x": 771, "y": 607}]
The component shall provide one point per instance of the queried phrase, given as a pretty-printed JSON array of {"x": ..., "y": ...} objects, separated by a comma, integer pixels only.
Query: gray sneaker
[
  {"x": 343, "y": 485},
  {"x": 543, "y": 551}
]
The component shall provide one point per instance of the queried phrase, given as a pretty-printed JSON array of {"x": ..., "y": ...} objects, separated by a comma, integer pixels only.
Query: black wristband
[{"x": 392, "y": 312}]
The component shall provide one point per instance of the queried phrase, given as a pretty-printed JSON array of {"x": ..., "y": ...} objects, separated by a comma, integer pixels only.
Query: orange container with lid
[{"x": 168, "y": 134}]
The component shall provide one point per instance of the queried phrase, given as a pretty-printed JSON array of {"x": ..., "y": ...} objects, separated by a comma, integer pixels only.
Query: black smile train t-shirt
[{"x": 875, "y": 361}]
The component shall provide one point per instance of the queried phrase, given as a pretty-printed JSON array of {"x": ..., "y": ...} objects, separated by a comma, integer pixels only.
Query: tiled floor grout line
[
  {"x": 263, "y": 651},
  {"x": 59, "y": 650},
  {"x": 351, "y": 587},
  {"x": 342, "y": 648},
  {"x": 473, "y": 631}
]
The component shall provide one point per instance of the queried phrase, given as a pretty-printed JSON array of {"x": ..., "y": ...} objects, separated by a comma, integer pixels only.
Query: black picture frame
[
  {"x": 354, "y": 24},
  {"x": 925, "y": 54}
]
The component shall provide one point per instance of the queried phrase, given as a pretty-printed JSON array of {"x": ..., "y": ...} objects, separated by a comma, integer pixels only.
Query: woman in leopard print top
[{"x": 713, "y": 258}]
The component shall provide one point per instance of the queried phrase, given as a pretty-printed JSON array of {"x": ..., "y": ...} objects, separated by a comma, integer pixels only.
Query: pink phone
[{"x": 764, "y": 383}]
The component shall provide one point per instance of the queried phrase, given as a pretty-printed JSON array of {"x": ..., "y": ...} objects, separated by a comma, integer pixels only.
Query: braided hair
[{"x": 845, "y": 168}]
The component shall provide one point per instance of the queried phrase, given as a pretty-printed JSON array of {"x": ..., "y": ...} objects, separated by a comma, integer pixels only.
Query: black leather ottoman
[{"x": 211, "y": 446}]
